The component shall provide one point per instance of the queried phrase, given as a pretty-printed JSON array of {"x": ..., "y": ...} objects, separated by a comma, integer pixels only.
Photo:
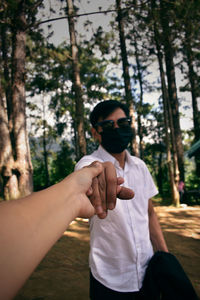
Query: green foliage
[
  {"x": 49, "y": 73},
  {"x": 192, "y": 181},
  {"x": 62, "y": 163},
  {"x": 39, "y": 175},
  {"x": 155, "y": 158},
  {"x": 192, "y": 188}
]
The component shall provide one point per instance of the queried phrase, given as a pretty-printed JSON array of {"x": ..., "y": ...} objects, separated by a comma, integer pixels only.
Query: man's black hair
[{"x": 105, "y": 108}]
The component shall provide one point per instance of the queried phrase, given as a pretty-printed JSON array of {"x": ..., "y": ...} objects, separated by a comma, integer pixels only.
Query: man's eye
[
  {"x": 124, "y": 122},
  {"x": 107, "y": 125}
]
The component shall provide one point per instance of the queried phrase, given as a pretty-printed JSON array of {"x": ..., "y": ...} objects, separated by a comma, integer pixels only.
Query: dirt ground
[{"x": 63, "y": 274}]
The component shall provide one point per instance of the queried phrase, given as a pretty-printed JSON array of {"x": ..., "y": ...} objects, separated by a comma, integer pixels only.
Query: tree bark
[
  {"x": 173, "y": 100},
  {"x": 127, "y": 82},
  {"x": 44, "y": 142},
  {"x": 139, "y": 110},
  {"x": 6, "y": 71},
  {"x": 8, "y": 179},
  {"x": 79, "y": 103},
  {"x": 167, "y": 114},
  {"x": 194, "y": 88},
  {"x": 15, "y": 162},
  {"x": 22, "y": 166}
]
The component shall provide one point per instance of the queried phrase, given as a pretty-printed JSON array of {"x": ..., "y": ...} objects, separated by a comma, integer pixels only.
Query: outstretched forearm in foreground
[{"x": 30, "y": 226}]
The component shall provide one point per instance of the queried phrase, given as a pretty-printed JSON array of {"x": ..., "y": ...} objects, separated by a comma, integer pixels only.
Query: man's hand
[{"x": 106, "y": 189}]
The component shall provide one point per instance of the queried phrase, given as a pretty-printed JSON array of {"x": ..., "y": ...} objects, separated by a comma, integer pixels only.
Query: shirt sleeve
[
  {"x": 85, "y": 161},
  {"x": 150, "y": 187}
]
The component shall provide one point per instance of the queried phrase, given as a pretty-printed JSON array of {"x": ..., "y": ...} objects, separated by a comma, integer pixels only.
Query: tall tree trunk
[
  {"x": 15, "y": 162},
  {"x": 79, "y": 103},
  {"x": 22, "y": 166},
  {"x": 167, "y": 114},
  {"x": 194, "y": 89},
  {"x": 8, "y": 179},
  {"x": 44, "y": 140},
  {"x": 6, "y": 71},
  {"x": 127, "y": 82},
  {"x": 159, "y": 176},
  {"x": 173, "y": 100},
  {"x": 139, "y": 110}
]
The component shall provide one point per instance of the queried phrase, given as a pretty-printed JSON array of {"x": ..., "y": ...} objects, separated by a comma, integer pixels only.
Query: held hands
[
  {"x": 100, "y": 184},
  {"x": 106, "y": 189}
]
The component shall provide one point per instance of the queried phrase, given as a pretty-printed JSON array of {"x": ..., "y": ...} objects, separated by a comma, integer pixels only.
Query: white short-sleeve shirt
[{"x": 120, "y": 245}]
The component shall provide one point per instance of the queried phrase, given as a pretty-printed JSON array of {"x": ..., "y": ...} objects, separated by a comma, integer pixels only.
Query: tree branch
[{"x": 80, "y": 15}]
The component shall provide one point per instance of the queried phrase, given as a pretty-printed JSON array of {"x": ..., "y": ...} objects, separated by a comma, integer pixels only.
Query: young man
[{"x": 123, "y": 242}]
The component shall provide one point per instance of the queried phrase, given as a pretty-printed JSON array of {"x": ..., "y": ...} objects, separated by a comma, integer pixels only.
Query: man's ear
[{"x": 95, "y": 134}]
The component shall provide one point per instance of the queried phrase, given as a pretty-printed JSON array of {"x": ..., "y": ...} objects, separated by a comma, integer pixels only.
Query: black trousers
[{"x": 100, "y": 292}]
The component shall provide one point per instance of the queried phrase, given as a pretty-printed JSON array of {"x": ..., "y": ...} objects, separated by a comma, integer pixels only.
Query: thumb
[
  {"x": 124, "y": 193},
  {"x": 95, "y": 168}
]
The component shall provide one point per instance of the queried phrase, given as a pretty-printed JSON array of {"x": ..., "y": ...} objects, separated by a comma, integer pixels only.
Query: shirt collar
[
  {"x": 129, "y": 158},
  {"x": 106, "y": 156}
]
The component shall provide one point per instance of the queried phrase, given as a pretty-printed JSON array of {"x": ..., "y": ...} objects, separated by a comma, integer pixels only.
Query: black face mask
[{"x": 116, "y": 140}]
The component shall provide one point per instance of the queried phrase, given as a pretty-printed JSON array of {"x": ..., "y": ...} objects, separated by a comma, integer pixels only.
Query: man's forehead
[{"x": 116, "y": 114}]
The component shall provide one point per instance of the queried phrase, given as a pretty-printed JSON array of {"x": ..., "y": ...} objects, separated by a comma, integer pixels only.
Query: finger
[
  {"x": 95, "y": 168},
  {"x": 120, "y": 180},
  {"x": 102, "y": 184},
  {"x": 89, "y": 191},
  {"x": 95, "y": 199},
  {"x": 125, "y": 193},
  {"x": 111, "y": 187}
]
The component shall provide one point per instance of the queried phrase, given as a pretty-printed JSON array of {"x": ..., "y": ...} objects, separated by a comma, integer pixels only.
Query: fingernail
[
  {"x": 96, "y": 164},
  {"x": 111, "y": 206},
  {"x": 102, "y": 215},
  {"x": 99, "y": 210}
]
